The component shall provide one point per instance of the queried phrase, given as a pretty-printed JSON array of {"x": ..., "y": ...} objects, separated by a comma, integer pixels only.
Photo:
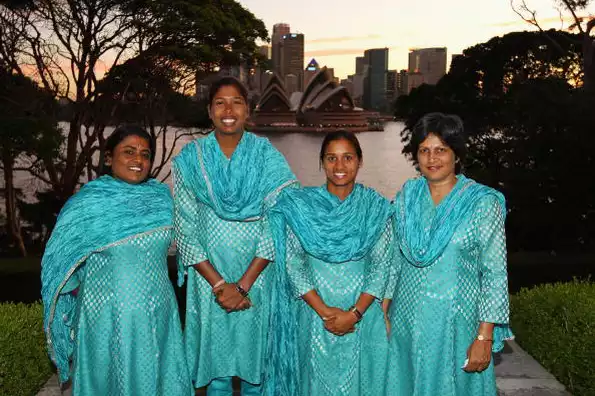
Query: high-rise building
[
  {"x": 292, "y": 57},
  {"x": 358, "y": 89},
  {"x": 258, "y": 77},
  {"x": 311, "y": 70},
  {"x": 391, "y": 86},
  {"x": 402, "y": 83},
  {"x": 238, "y": 71},
  {"x": 360, "y": 63},
  {"x": 291, "y": 83},
  {"x": 426, "y": 65},
  {"x": 348, "y": 84},
  {"x": 279, "y": 30},
  {"x": 375, "y": 79},
  {"x": 265, "y": 51}
]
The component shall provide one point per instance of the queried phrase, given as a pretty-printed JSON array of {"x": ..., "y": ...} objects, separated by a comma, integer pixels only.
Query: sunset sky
[{"x": 338, "y": 31}]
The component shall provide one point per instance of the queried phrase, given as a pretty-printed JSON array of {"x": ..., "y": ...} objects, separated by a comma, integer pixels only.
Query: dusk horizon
[{"x": 352, "y": 28}]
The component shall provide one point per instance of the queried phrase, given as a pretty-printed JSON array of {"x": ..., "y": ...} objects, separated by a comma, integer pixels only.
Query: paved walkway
[{"x": 518, "y": 374}]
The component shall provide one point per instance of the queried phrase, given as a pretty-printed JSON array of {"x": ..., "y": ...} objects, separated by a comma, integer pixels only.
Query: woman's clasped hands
[
  {"x": 229, "y": 297},
  {"x": 338, "y": 321}
]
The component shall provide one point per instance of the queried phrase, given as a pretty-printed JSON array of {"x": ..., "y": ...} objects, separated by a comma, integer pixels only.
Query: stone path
[{"x": 517, "y": 374}]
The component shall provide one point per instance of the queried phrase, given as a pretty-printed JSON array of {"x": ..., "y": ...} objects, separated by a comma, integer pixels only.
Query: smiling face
[
  {"x": 228, "y": 110},
  {"x": 436, "y": 160},
  {"x": 341, "y": 164},
  {"x": 130, "y": 160}
]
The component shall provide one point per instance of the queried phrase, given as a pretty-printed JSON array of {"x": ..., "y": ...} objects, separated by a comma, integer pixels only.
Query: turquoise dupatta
[
  {"x": 238, "y": 188},
  {"x": 420, "y": 246},
  {"x": 332, "y": 230},
  {"x": 104, "y": 212},
  {"x": 329, "y": 229}
]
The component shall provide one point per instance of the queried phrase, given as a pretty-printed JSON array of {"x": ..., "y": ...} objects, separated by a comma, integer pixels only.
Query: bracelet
[
  {"x": 219, "y": 283},
  {"x": 481, "y": 337},
  {"x": 241, "y": 290},
  {"x": 357, "y": 313}
]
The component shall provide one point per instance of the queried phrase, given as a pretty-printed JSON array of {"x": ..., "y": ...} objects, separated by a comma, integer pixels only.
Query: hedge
[
  {"x": 555, "y": 323},
  {"x": 24, "y": 365}
]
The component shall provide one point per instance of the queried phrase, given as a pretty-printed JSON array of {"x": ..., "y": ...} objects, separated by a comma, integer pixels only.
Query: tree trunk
[
  {"x": 13, "y": 226},
  {"x": 589, "y": 57}
]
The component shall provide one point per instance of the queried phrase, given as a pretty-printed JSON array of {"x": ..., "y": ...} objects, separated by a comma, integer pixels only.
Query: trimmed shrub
[
  {"x": 555, "y": 323},
  {"x": 24, "y": 364}
]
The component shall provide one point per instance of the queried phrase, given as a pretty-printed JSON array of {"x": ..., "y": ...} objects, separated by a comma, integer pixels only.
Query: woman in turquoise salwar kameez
[
  {"x": 224, "y": 185},
  {"x": 110, "y": 313},
  {"x": 450, "y": 306},
  {"x": 336, "y": 244}
]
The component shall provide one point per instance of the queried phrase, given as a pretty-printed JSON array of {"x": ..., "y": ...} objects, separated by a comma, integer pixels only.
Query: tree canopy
[{"x": 529, "y": 124}]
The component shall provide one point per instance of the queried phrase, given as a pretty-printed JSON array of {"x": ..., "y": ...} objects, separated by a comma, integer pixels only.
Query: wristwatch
[
  {"x": 481, "y": 337},
  {"x": 357, "y": 313}
]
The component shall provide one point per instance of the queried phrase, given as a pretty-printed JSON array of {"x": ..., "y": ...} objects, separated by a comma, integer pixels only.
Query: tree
[
  {"x": 529, "y": 128},
  {"x": 152, "y": 98},
  {"x": 67, "y": 45},
  {"x": 63, "y": 45},
  {"x": 27, "y": 126},
  {"x": 584, "y": 25}
]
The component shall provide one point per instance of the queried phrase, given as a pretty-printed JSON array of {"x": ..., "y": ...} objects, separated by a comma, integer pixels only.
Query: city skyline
[{"x": 346, "y": 32}]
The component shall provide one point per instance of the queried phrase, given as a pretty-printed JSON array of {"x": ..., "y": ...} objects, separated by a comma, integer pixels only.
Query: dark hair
[
  {"x": 448, "y": 127},
  {"x": 117, "y": 136},
  {"x": 341, "y": 134},
  {"x": 224, "y": 81}
]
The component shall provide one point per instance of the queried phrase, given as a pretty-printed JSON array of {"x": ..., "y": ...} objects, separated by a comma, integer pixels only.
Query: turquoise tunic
[
  {"x": 220, "y": 214},
  {"x": 341, "y": 249},
  {"x": 436, "y": 309},
  {"x": 110, "y": 314},
  {"x": 219, "y": 344},
  {"x": 126, "y": 329},
  {"x": 353, "y": 364}
]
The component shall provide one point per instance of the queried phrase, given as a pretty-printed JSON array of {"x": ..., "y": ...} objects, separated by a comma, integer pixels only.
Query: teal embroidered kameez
[
  {"x": 450, "y": 275},
  {"x": 340, "y": 249},
  {"x": 119, "y": 333},
  {"x": 220, "y": 215}
]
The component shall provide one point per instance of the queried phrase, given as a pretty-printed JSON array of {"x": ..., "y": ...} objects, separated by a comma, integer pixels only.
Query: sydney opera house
[{"x": 324, "y": 106}]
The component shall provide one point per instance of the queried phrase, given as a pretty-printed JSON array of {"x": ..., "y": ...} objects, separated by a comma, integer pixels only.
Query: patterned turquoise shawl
[
  {"x": 332, "y": 230},
  {"x": 422, "y": 246},
  {"x": 239, "y": 188},
  {"x": 104, "y": 212},
  {"x": 329, "y": 229}
]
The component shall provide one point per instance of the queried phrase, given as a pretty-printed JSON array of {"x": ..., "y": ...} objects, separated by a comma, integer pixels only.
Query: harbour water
[{"x": 384, "y": 168}]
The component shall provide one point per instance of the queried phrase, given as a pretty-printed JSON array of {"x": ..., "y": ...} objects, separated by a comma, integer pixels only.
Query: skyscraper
[
  {"x": 402, "y": 83},
  {"x": 360, "y": 63},
  {"x": 292, "y": 57},
  {"x": 310, "y": 71},
  {"x": 426, "y": 66},
  {"x": 279, "y": 30},
  {"x": 375, "y": 79},
  {"x": 265, "y": 51},
  {"x": 391, "y": 85}
]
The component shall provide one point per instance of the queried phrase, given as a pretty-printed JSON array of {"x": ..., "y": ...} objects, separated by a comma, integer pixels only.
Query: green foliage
[
  {"x": 24, "y": 365},
  {"x": 199, "y": 32},
  {"x": 27, "y": 123},
  {"x": 556, "y": 325},
  {"x": 529, "y": 126}
]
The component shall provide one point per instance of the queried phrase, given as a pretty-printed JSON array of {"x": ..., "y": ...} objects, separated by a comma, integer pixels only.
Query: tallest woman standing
[
  {"x": 224, "y": 185},
  {"x": 450, "y": 306}
]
